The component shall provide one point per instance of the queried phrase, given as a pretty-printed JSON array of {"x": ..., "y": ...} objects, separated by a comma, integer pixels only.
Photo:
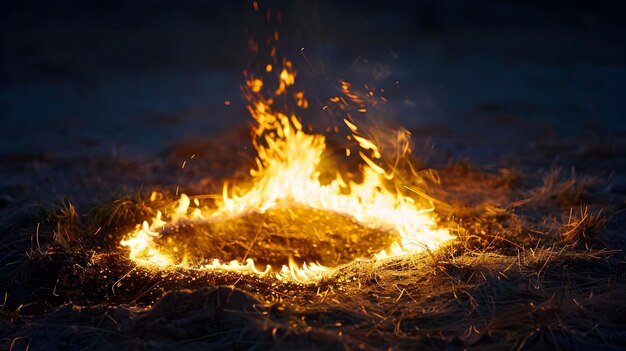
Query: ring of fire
[{"x": 362, "y": 219}]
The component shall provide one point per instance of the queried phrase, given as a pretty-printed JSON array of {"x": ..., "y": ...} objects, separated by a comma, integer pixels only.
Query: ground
[{"x": 516, "y": 109}]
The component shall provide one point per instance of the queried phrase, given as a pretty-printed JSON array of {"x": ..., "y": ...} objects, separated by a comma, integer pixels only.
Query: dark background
[{"x": 135, "y": 76}]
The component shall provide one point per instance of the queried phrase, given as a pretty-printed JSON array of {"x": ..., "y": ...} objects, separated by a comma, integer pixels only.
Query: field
[{"x": 518, "y": 139}]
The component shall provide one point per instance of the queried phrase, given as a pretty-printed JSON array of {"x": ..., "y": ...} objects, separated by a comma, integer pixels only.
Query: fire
[{"x": 287, "y": 175}]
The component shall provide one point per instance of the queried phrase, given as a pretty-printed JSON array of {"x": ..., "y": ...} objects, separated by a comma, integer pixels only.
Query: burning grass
[
  {"x": 517, "y": 276},
  {"x": 536, "y": 262},
  {"x": 386, "y": 257},
  {"x": 294, "y": 174}
]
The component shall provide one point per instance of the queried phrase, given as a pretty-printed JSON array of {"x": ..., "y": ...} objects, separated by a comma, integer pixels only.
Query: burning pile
[{"x": 377, "y": 220}]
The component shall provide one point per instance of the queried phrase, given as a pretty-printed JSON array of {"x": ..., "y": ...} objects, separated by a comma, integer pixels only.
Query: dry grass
[{"x": 530, "y": 269}]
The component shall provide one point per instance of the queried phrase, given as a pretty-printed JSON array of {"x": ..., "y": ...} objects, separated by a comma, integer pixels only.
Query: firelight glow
[{"x": 287, "y": 174}]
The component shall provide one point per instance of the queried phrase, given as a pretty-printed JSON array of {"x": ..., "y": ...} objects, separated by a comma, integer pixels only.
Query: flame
[{"x": 287, "y": 174}]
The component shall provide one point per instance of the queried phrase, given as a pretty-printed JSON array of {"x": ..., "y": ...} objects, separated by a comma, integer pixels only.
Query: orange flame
[{"x": 287, "y": 174}]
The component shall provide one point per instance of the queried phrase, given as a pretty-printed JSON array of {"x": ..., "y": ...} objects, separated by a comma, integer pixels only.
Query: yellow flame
[{"x": 287, "y": 174}]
